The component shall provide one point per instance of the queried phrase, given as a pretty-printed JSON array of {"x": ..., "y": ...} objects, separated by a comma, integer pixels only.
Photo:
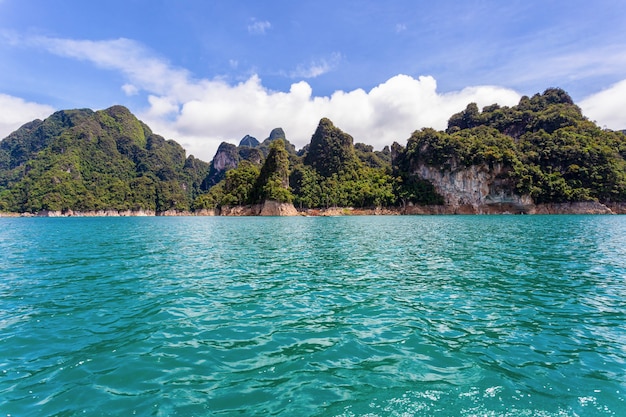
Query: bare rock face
[
  {"x": 249, "y": 141},
  {"x": 226, "y": 157},
  {"x": 206, "y": 212},
  {"x": 236, "y": 211},
  {"x": 276, "y": 208},
  {"x": 475, "y": 189},
  {"x": 267, "y": 208},
  {"x": 479, "y": 189},
  {"x": 580, "y": 207},
  {"x": 276, "y": 133},
  {"x": 617, "y": 208}
]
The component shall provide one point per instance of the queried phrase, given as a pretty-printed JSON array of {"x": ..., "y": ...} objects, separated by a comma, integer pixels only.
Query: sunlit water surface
[{"x": 343, "y": 316}]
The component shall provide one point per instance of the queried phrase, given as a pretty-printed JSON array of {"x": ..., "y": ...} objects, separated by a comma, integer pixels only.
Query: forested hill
[
  {"x": 542, "y": 150},
  {"x": 85, "y": 160}
]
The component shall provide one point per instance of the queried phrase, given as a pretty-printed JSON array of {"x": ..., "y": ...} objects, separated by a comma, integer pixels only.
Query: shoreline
[{"x": 256, "y": 210}]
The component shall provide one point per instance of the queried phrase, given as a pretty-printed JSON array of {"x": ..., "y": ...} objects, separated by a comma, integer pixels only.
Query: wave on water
[{"x": 345, "y": 316}]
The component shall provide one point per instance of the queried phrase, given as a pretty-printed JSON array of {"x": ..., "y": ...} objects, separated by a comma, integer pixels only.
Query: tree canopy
[
  {"x": 552, "y": 152},
  {"x": 84, "y": 160}
]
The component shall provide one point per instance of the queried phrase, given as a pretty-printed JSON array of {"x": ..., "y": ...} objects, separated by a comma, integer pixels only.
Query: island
[{"x": 539, "y": 156}]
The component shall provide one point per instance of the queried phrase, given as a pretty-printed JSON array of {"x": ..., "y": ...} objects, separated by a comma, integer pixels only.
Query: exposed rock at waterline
[{"x": 277, "y": 208}]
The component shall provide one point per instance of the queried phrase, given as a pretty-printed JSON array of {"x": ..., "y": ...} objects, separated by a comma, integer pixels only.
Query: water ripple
[{"x": 441, "y": 315}]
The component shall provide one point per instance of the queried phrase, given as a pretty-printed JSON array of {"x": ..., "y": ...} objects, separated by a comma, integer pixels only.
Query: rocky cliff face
[
  {"x": 580, "y": 207},
  {"x": 226, "y": 157},
  {"x": 267, "y": 208},
  {"x": 277, "y": 208},
  {"x": 475, "y": 189},
  {"x": 479, "y": 189},
  {"x": 249, "y": 141},
  {"x": 107, "y": 160},
  {"x": 276, "y": 133},
  {"x": 331, "y": 150}
]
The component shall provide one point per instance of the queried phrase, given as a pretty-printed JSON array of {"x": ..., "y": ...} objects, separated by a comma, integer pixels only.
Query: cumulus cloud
[
  {"x": 606, "y": 108},
  {"x": 16, "y": 111},
  {"x": 259, "y": 27},
  {"x": 389, "y": 112},
  {"x": 201, "y": 113}
]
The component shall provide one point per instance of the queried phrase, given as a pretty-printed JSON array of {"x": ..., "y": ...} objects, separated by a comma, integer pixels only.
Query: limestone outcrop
[
  {"x": 267, "y": 208},
  {"x": 582, "y": 207},
  {"x": 277, "y": 208},
  {"x": 475, "y": 189}
]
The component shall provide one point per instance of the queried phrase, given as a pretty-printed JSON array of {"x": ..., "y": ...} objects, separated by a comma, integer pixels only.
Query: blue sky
[{"x": 201, "y": 72}]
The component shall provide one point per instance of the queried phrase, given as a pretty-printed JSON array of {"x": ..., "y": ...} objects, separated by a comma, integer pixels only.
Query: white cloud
[
  {"x": 200, "y": 114},
  {"x": 130, "y": 90},
  {"x": 16, "y": 111},
  {"x": 317, "y": 68},
  {"x": 162, "y": 106},
  {"x": 389, "y": 112},
  {"x": 606, "y": 108},
  {"x": 143, "y": 69},
  {"x": 531, "y": 64},
  {"x": 259, "y": 27}
]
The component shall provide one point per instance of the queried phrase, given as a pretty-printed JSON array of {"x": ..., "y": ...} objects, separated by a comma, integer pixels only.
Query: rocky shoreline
[{"x": 274, "y": 208}]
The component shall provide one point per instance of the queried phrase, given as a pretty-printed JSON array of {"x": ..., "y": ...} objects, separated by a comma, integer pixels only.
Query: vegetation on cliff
[
  {"x": 251, "y": 184},
  {"x": 330, "y": 171},
  {"x": 273, "y": 181},
  {"x": 85, "y": 160},
  {"x": 549, "y": 150},
  {"x": 543, "y": 148}
]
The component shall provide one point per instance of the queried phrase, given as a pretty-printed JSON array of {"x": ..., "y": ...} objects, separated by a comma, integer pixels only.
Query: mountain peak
[{"x": 249, "y": 141}]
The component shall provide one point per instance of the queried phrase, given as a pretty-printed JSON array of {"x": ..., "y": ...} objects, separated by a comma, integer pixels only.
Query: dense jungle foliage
[
  {"x": 84, "y": 160},
  {"x": 330, "y": 171},
  {"x": 548, "y": 149}
]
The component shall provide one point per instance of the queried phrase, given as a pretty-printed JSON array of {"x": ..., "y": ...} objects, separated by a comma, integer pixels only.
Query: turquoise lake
[{"x": 313, "y": 316}]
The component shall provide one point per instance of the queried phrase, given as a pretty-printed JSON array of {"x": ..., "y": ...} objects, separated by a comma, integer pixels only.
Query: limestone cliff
[
  {"x": 225, "y": 158},
  {"x": 475, "y": 189},
  {"x": 580, "y": 207},
  {"x": 249, "y": 141},
  {"x": 277, "y": 208},
  {"x": 105, "y": 161},
  {"x": 267, "y": 208},
  {"x": 228, "y": 156},
  {"x": 478, "y": 189}
]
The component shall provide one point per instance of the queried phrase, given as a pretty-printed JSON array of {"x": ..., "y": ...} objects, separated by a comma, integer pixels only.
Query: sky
[{"x": 206, "y": 71}]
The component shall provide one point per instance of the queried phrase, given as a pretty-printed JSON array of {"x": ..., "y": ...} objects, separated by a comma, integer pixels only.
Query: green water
[{"x": 345, "y": 316}]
